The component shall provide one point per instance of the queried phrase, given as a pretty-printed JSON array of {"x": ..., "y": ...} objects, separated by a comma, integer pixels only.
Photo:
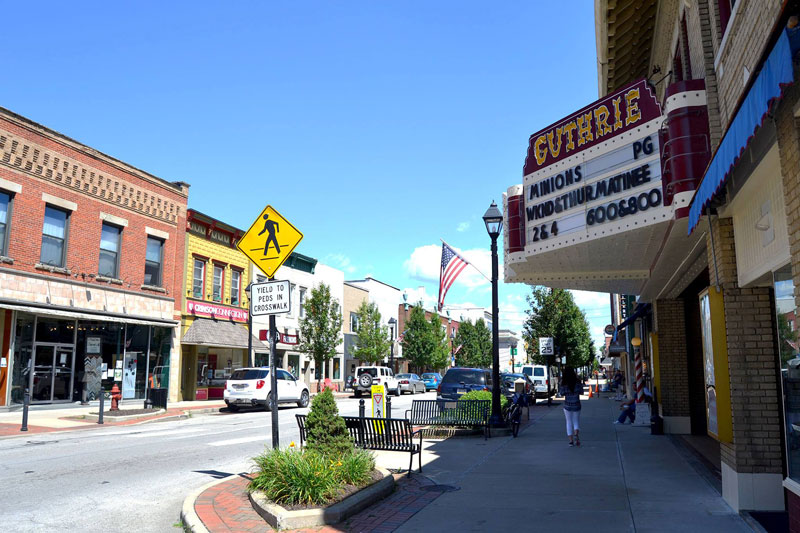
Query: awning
[
  {"x": 640, "y": 310},
  {"x": 776, "y": 74},
  {"x": 86, "y": 315},
  {"x": 224, "y": 333}
]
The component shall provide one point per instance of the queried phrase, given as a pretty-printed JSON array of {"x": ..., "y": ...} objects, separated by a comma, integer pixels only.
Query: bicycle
[{"x": 514, "y": 416}]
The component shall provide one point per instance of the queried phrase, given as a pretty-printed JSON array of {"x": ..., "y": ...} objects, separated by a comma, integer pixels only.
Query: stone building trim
[
  {"x": 59, "y": 202},
  {"x": 10, "y": 186},
  {"x": 113, "y": 219}
]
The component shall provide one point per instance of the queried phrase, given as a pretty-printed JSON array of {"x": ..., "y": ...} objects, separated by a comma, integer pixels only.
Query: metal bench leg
[{"x": 420, "y": 452}]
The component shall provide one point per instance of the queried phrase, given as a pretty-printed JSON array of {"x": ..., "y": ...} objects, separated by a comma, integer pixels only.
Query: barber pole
[{"x": 639, "y": 377}]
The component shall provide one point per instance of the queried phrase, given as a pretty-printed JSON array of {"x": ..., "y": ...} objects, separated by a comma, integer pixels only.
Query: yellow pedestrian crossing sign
[{"x": 269, "y": 241}]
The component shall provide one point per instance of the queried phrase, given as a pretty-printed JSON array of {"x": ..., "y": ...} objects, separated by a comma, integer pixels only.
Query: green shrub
[
  {"x": 356, "y": 468},
  {"x": 485, "y": 395},
  {"x": 327, "y": 432},
  {"x": 295, "y": 477}
]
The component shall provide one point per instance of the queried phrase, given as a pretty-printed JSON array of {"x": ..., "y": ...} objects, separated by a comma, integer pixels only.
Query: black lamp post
[
  {"x": 392, "y": 325},
  {"x": 494, "y": 224}
]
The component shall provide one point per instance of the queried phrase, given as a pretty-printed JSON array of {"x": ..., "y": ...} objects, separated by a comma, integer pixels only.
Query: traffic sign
[
  {"x": 546, "y": 345},
  {"x": 269, "y": 241},
  {"x": 378, "y": 401},
  {"x": 270, "y": 298}
]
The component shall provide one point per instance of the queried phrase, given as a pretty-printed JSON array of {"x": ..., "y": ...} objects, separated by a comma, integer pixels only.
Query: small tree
[
  {"x": 327, "y": 432},
  {"x": 372, "y": 338},
  {"x": 418, "y": 340},
  {"x": 321, "y": 328},
  {"x": 439, "y": 354},
  {"x": 475, "y": 344}
]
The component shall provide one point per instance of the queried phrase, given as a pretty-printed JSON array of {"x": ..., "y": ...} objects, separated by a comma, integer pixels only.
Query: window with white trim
[
  {"x": 217, "y": 283},
  {"x": 199, "y": 279},
  {"x": 236, "y": 286},
  {"x": 110, "y": 237},
  {"x": 152, "y": 262},
  {"x": 5, "y": 221}
]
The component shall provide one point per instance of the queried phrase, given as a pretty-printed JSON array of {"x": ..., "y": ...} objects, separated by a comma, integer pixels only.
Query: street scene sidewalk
[{"x": 621, "y": 478}]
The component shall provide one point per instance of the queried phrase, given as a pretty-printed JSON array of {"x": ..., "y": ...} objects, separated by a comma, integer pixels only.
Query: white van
[{"x": 543, "y": 386}]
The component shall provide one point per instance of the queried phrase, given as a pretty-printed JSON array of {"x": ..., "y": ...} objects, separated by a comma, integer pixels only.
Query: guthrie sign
[{"x": 597, "y": 166}]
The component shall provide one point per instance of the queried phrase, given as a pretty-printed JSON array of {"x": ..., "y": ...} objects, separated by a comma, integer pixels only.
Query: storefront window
[
  {"x": 790, "y": 364},
  {"x": 337, "y": 368},
  {"x": 134, "y": 367},
  {"x": 23, "y": 350},
  {"x": 160, "y": 349},
  {"x": 99, "y": 347},
  {"x": 55, "y": 331}
]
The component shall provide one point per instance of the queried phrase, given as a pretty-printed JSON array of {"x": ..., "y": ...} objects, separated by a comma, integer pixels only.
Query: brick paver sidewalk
[{"x": 225, "y": 507}]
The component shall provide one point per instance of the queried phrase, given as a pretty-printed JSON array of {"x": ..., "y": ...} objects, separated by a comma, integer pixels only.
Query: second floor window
[
  {"x": 5, "y": 208},
  {"x": 54, "y": 237},
  {"x": 217, "y": 283},
  {"x": 152, "y": 263},
  {"x": 353, "y": 322},
  {"x": 109, "y": 251},
  {"x": 236, "y": 281},
  {"x": 199, "y": 279},
  {"x": 302, "y": 302}
]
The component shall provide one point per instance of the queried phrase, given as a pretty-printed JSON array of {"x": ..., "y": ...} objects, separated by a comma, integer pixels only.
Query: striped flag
[{"x": 452, "y": 265}]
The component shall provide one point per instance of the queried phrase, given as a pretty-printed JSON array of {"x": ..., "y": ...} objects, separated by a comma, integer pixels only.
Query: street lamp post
[
  {"x": 493, "y": 219},
  {"x": 392, "y": 324}
]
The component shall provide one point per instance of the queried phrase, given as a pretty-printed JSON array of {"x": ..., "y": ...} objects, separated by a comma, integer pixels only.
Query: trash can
[
  {"x": 159, "y": 398},
  {"x": 656, "y": 425}
]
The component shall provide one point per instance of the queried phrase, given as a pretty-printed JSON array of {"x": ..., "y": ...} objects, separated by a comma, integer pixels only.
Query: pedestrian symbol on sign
[{"x": 272, "y": 228}]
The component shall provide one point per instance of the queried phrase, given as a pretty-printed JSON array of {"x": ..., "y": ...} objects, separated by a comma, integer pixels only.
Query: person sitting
[{"x": 628, "y": 407}]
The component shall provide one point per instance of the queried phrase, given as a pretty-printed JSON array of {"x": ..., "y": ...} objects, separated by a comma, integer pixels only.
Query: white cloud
[
  {"x": 591, "y": 300},
  {"x": 341, "y": 262},
  {"x": 425, "y": 262},
  {"x": 464, "y": 226},
  {"x": 420, "y": 294}
]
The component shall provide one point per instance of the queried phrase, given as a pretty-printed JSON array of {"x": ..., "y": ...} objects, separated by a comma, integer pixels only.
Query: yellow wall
[{"x": 215, "y": 251}]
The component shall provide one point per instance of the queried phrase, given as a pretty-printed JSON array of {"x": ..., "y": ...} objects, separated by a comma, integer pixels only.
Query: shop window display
[
  {"x": 790, "y": 364},
  {"x": 134, "y": 367},
  {"x": 23, "y": 350}
]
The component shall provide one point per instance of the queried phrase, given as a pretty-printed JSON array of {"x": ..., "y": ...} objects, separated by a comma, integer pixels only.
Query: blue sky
[{"x": 378, "y": 128}]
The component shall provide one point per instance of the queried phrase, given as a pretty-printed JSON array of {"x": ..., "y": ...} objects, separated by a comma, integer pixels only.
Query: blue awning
[
  {"x": 775, "y": 76},
  {"x": 641, "y": 309}
]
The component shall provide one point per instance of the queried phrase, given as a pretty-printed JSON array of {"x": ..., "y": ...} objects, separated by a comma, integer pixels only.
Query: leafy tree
[
  {"x": 440, "y": 351},
  {"x": 474, "y": 344},
  {"x": 372, "y": 341},
  {"x": 553, "y": 313},
  {"x": 425, "y": 341},
  {"x": 327, "y": 432},
  {"x": 321, "y": 328}
]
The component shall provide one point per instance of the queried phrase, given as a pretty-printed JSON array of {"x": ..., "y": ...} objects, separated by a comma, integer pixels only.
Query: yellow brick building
[{"x": 214, "y": 313}]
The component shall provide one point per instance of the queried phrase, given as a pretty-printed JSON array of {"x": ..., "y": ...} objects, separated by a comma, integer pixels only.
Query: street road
[{"x": 134, "y": 478}]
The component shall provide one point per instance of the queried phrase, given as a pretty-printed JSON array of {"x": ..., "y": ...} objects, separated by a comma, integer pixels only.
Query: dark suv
[{"x": 459, "y": 381}]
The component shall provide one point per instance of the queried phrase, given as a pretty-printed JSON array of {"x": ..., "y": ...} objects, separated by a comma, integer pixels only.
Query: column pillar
[
  {"x": 752, "y": 472},
  {"x": 673, "y": 397}
]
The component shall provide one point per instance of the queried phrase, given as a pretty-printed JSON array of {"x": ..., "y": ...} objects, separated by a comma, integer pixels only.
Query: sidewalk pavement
[
  {"x": 49, "y": 418},
  {"x": 621, "y": 478}
]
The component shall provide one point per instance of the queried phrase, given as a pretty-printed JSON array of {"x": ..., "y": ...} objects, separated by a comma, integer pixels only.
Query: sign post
[
  {"x": 268, "y": 243},
  {"x": 378, "y": 405}
]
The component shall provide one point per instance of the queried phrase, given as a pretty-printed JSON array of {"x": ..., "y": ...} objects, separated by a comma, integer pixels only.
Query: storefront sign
[
  {"x": 270, "y": 298},
  {"x": 216, "y": 311},
  {"x": 609, "y": 329}
]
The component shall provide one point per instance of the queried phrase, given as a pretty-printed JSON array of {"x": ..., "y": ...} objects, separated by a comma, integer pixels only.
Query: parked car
[
  {"x": 410, "y": 383},
  {"x": 253, "y": 387},
  {"x": 460, "y": 380},
  {"x": 543, "y": 386},
  {"x": 508, "y": 381},
  {"x": 431, "y": 380},
  {"x": 367, "y": 376}
]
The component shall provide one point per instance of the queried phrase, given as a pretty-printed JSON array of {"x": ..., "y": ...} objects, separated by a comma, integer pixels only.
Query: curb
[
  {"x": 191, "y": 522},
  {"x": 111, "y": 418}
]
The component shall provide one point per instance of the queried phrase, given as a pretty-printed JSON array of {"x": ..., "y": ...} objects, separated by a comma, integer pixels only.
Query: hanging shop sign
[{"x": 598, "y": 166}]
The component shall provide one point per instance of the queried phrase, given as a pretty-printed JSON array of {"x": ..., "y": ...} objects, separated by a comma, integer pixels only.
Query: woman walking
[{"x": 571, "y": 390}]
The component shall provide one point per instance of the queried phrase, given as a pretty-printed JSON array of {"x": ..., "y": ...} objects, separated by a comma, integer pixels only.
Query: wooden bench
[
  {"x": 472, "y": 413},
  {"x": 390, "y": 434}
]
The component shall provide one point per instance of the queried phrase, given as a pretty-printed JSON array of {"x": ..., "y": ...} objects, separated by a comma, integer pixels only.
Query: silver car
[{"x": 410, "y": 383}]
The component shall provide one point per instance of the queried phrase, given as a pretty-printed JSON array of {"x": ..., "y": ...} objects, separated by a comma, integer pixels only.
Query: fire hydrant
[{"x": 116, "y": 396}]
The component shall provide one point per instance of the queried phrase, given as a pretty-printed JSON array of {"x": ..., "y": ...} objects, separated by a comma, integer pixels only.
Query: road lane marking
[{"x": 242, "y": 440}]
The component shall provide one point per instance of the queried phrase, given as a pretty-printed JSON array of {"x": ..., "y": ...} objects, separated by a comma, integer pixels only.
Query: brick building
[
  {"x": 91, "y": 266},
  {"x": 680, "y": 186}
]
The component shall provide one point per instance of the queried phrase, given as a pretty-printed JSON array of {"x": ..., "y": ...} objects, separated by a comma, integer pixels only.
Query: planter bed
[{"x": 350, "y": 501}]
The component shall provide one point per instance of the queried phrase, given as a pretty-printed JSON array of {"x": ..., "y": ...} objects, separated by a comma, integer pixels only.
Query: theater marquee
[{"x": 592, "y": 176}]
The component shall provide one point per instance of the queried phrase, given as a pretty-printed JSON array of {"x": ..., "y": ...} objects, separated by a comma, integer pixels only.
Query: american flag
[{"x": 452, "y": 265}]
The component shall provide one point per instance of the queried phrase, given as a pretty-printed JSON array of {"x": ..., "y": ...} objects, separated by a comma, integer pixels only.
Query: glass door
[
  {"x": 42, "y": 376},
  {"x": 62, "y": 374}
]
